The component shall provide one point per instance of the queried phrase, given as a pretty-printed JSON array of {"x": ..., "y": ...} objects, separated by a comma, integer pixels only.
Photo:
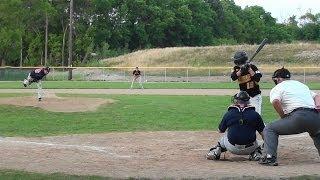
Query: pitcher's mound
[{"x": 56, "y": 104}]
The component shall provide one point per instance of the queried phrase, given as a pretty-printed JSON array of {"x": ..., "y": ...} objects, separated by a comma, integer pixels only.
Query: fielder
[
  {"x": 35, "y": 76},
  {"x": 248, "y": 77},
  {"x": 136, "y": 77},
  {"x": 242, "y": 122},
  {"x": 298, "y": 108}
]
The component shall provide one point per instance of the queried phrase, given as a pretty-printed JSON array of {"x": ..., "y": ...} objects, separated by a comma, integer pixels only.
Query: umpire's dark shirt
[
  {"x": 247, "y": 82},
  {"x": 241, "y": 124}
]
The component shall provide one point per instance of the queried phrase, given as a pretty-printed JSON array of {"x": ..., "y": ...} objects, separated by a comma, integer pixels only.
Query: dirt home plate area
[{"x": 164, "y": 154}]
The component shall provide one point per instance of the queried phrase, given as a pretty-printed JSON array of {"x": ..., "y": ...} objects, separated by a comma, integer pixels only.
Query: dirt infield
[
  {"x": 148, "y": 154},
  {"x": 151, "y": 155},
  {"x": 58, "y": 104}
]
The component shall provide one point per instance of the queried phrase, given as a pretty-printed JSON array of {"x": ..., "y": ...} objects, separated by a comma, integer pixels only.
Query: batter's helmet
[
  {"x": 240, "y": 58},
  {"x": 282, "y": 73}
]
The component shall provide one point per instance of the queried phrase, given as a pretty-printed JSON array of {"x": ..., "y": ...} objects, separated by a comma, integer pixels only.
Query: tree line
[{"x": 35, "y": 32}]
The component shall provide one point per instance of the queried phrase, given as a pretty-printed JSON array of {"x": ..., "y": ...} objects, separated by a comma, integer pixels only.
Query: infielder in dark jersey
[
  {"x": 239, "y": 126},
  {"x": 35, "y": 76},
  {"x": 136, "y": 77},
  {"x": 298, "y": 108},
  {"x": 248, "y": 76}
]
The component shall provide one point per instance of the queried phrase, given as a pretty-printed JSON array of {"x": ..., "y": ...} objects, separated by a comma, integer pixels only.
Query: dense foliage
[{"x": 105, "y": 28}]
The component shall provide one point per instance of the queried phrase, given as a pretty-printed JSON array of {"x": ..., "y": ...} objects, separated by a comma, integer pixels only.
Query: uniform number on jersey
[{"x": 250, "y": 85}]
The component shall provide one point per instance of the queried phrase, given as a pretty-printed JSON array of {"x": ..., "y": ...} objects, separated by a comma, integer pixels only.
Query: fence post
[
  {"x": 144, "y": 76},
  {"x": 124, "y": 75},
  {"x": 53, "y": 74},
  {"x": 187, "y": 74},
  {"x": 209, "y": 75},
  {"x": 165, "y": 74}
]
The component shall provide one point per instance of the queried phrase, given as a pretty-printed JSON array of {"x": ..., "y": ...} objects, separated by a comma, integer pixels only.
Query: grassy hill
[{"x": 296, "y": 54}]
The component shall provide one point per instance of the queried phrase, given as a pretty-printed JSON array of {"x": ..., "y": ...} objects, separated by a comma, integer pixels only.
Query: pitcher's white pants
[
  {"x": 39, "y": 85},
  {"x": 138, "y": 79}
]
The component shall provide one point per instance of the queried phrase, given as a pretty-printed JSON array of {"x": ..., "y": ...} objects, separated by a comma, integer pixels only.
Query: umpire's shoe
[
  {"x": 268, "y": 160},
  {"x": 214, "y": 153}
]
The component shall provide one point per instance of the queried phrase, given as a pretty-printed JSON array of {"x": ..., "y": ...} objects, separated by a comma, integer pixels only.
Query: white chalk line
[
  {"x": 281, "y": 138},
  {"x": 79, "y": 147}
]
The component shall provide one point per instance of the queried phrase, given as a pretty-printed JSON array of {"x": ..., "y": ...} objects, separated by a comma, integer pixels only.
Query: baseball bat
[{"x": 264, "y": 42}]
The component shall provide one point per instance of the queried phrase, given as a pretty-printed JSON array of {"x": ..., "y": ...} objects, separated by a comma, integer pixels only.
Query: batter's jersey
[
  {"x": 246, "y": 82},
  {"x": 242, "y": 124}
]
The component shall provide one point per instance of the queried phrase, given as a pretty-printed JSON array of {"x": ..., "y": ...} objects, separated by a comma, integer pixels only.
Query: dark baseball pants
[{"x": 297, "y": 122}]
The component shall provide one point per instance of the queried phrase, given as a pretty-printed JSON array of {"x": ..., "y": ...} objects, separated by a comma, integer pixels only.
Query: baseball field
[{"x": 93, "y": 132}]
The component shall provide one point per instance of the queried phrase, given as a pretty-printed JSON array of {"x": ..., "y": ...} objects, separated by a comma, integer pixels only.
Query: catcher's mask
[
  {"x": 281, "y": 73},
  {"x": 241, "y": 97},
  {"x": 240, "y": 58}
]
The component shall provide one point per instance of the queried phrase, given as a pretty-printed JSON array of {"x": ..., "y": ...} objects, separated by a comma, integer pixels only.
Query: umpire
[{"x": 298, "y": 108}]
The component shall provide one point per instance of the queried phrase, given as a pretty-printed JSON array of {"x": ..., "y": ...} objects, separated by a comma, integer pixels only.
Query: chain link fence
[{"x": 155, "y": 74}]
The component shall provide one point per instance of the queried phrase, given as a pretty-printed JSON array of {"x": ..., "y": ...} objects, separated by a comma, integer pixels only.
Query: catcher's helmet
[
  {"x": 240, "y": 58},
  {"x": 241, "y": 97},
  {"x": 282, "y": 73}
]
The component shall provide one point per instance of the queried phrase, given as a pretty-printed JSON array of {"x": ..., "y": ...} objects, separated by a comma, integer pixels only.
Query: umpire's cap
[{"x": 282, "y": 73}]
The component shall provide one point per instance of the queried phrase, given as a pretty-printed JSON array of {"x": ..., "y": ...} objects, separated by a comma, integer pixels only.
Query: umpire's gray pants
[
  {"x": 297, "y": 122},
  {"x": 237, "y": 149}
]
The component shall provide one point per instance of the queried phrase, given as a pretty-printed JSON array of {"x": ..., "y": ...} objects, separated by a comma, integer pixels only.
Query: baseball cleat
[
  {"x": 214, "y": 153},
  {"x": 255, "y": 155},
  {"x": 25, "y": 83},
  {"x": 39, "y": 99},
  {"x": 268, "y": 160}
]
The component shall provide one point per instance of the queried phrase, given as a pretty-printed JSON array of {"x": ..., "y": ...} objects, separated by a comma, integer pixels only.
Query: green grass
[
  {"x": 128, "y": 113},
  {"x": 18, "y": 175},
  {"x": 126, "y": 85}
]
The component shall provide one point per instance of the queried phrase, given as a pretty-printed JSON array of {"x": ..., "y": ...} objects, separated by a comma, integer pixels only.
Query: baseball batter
[
  {"x": 298, "y": 108},
  {"x": 136, "y": 77},
  {"x": 242, "y": 122},
  {"x": 248, "y": 77},
  {"x": 35, "y": 76}
]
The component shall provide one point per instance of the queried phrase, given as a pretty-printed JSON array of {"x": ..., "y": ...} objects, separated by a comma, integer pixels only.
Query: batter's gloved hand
[{"x": 244, "y": 68}]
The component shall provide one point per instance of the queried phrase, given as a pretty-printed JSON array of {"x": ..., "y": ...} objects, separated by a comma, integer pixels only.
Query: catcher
[
  {"x": 248, "y": 77},
  {"x": 35, "y": 76},
  {"x": 136, "y": 77},
  {"x": 242, "y": 122}
]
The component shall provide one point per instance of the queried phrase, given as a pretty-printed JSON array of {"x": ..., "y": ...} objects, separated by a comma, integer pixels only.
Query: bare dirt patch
[
  {"x": 58, "y": 104},
  {"x": 152, "y": 155}
]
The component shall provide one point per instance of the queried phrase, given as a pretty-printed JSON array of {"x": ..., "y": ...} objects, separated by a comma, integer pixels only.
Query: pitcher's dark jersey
[{"x": 37, "y": 74}]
